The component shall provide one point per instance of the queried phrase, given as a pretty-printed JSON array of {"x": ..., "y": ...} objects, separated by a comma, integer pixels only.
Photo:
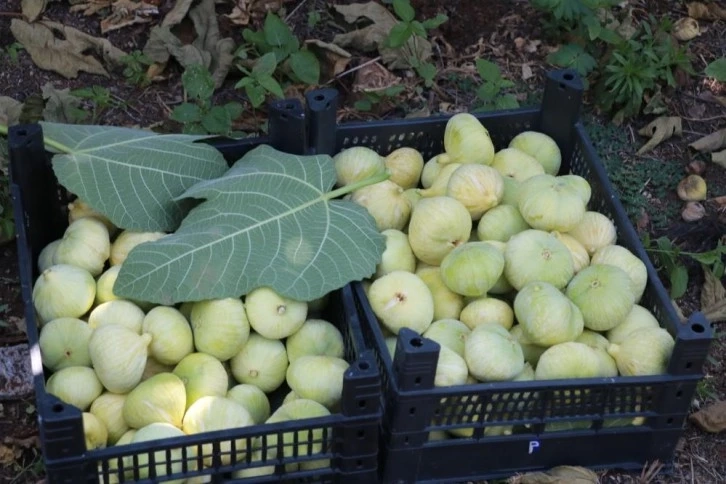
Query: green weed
[{"x": 197, "y": 114}]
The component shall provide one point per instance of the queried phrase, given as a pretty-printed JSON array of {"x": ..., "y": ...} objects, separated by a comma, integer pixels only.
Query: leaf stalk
[
  {"x": 47, "y": 141},
  {"x": 357, "y": 185}
]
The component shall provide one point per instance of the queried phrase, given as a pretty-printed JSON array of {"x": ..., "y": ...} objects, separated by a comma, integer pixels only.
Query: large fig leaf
[
  {"x": 271, "y": 220},
  {"x": 132, "y": 176}
]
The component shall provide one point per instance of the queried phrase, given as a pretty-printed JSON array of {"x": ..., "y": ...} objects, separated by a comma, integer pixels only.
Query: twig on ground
[
  {"x": 353, "y": 69},
  {"x": 712, "y": 118},
  {"x": 294, "y": 10}
]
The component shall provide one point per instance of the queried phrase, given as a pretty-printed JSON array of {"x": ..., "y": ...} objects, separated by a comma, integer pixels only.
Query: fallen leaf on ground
[
  {"x": 127, "y": 12},
  {"x": 53, "y": 46},
  {"x": 89, "y": 7},
  {"x": 371, "y": 37},
  {"x": 333, "y": 59},
  {"x": 712, "y": 142},
  {"x": 33, "y": 8},
  {"x": 713, "y": 297},
  {"x": 424, "y": 112},
  {"x": 686, "y": 29},
  {"x": 245, "y": 10},
  {"x": 527, "y": 45},
  {"x": 526, "y": 72},
  {"x": 9, "y": 455},
  {"x": 628, "y": 27},
  {"x": 239, "y": 14},
  {"x": 713, "y": 291},
  {"x": 207, "y": 48},
  {"x": 560, "y": 475},
  {"x": 374, "y": 77},
  {"x": 711, "y": 418},
  {"x": 719, "y": 158},
  {"x": 10, "y": 110},
  {"x": 660, "y": 130},
  {"x": 60, "y": 105},
  {"x": 704, "y": 11},
  {"x": 177, "y": 13},
  {"x": 367, "y": 38}
]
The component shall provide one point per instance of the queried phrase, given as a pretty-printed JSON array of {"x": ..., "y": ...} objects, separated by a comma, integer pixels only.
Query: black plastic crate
[
  {"x": 547, "y": 423},
  {"x": 349, "y": 438}
]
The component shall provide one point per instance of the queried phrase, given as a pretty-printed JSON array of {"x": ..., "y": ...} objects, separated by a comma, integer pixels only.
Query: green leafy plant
[
  {"x": 669, "y": 258},
  {"x": 259, "y": 81},
  {"x": 13, "y": 51},
  {"x": 274, "y": 47},
  {"x": 639, "y": 66},
  {"x": 490, "y": 92},
  {"x": 100, "y": 99},
  {"x": 717, "y": 69},
  {"x": 136, "y": 64},
  {"x": 627, "y": 65},
  {"x": 272, "y": 213},
  {"x": 197, "y": 113},
  {"x": 410, "y": 28},
  {"x": 375, "y": 98},
  {"x": 573, "y": 56}
]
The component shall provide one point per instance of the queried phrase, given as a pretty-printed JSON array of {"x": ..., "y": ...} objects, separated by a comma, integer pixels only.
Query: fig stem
[
  {"x": 49, "y": 142},
  {"x": 357, "y": 185}
]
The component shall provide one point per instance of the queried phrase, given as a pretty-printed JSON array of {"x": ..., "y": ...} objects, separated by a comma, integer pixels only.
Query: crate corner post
[{"x": 560, "y": 110}]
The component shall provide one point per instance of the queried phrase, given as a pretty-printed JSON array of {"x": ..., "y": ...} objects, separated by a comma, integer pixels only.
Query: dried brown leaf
[
  {"x": 334, "y": 59},
  {"x": 60, "y": 105},
  {"x": 128, "y": 12},
  {"x": 9, "y": 455},
  {"x": 90, "y": 7},
  {"x": 371, "y": 37},
  {"x": 628, "y": 27},
  {"x": 10, "y": 110},
  {"x": 56, "y": 47},
  {"x": 239, "y": 15},
  {"x": 710, "y": 11},
  {"x": 374, "y": 77},
  {"x": 713, "y": 295},
  {"x": 717, "y": 312},
  {"x": 526, "y": 72},
  {"x": 719, "y": 158},
  {"x": 33, "y": 8},
  {"x": 207, "y": 48},
  {"x": 660, "y": 130},
  {"x": 177, "y": 13},
  {"x": 366, "y": 39},
  {"x": 424, "y": 112},
  {"x": 246, "y": 10},
  {"x": 711, "y": 142},
  {"x": 560, "y": 475},
  {"x": 711, "y": 418}
]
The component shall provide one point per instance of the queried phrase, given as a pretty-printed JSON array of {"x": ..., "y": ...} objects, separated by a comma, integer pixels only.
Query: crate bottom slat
[{"x": 459, "y": 460}]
